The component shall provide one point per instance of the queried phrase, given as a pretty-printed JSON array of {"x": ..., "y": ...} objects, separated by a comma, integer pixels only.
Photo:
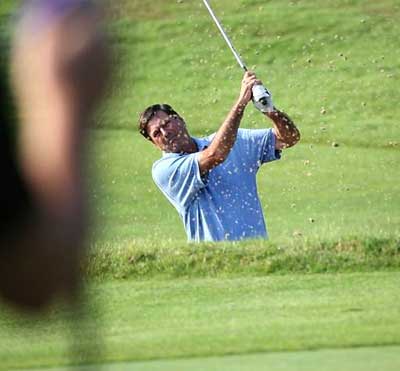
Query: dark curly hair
[{"x": 148, "y": 114}]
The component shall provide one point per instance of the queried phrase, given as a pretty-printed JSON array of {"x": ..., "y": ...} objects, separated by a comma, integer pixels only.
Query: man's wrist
[
  {"x": 240, "y": 106},
  {"x": 272, "y": 114}
]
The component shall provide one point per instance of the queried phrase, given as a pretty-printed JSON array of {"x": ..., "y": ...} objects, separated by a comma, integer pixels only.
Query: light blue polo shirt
[{"x": 224, "y": 204}]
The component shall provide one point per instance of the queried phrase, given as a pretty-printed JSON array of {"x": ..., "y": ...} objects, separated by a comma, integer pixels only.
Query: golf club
[{"x": 262, "y": 98}]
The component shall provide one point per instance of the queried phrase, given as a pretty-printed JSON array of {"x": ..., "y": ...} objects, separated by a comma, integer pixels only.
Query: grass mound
[{"x": 168, "y": 260}]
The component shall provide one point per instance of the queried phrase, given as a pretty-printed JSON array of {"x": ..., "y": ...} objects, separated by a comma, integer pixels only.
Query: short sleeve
[
  {"x": 179, "y": 178},
  {"x": 269, "y": 151},
  {"x": 261, "y": 145}
]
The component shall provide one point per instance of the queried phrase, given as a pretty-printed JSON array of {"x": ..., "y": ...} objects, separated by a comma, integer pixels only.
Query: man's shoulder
[
  {"x": 159, "y": 170},
  {"x": 252, "y": 135},
  {"x": 253, "y": 132},
  {"x": 170, "y": 162},
  {"x": 165, "y": 161}
]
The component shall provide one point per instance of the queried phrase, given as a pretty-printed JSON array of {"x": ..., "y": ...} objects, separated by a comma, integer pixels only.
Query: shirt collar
[{"x": 201, "y": 143}]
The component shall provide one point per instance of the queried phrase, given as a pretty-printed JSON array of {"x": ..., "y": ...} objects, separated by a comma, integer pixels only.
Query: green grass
[
  {"x": 328, "y": 278},
  {"x": 253, "y": 258},
  {"x": 213, "y": 317},
  {"x": 352, "y": 359},
  {"x": 340, "y": 55}
]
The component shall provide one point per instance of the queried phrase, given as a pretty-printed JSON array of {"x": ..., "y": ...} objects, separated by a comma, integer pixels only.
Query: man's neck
[{"x": 190, "y": 146}]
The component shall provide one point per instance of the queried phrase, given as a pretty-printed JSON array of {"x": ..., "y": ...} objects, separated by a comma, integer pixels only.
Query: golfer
[{"x": 211, "y": 181}]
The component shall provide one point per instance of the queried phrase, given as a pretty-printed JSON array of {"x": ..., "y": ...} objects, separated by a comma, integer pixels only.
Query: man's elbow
[
  {"x": 217, "y": 157},
  {"x": 210, "y": 159},
  {"x": 291, "y": 139},
  {"x": 295, "y": 138}
]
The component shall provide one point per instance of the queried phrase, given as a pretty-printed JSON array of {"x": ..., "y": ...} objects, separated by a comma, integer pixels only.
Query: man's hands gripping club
[
  {"x": 285, "y": 131},
  {"x": 260, "y": 96},
  {"x": 246, "y": 91}
]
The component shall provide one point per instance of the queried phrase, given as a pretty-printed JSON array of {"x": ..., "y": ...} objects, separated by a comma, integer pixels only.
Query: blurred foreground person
[{"x": 59, "y": 61}]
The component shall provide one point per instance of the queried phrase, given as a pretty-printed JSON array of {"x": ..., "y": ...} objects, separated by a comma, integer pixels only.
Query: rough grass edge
[{"x": 145, "y": 260}]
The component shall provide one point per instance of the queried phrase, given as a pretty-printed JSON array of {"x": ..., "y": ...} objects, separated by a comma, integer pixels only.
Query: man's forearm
[
  {"x": 285, "y": 129},
  {"x": 223, "y": 140},
  {"x": 226, "y": 135}
]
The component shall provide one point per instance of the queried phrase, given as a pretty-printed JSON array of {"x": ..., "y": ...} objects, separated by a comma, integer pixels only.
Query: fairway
[
  {"x": 211, "y": 317},
  {"x": 323, "y": 293},
  {"x": 356, "y": 359}
]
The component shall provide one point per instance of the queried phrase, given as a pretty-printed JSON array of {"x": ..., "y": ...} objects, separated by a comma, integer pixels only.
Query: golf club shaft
[{"x": 225, "y": 36}]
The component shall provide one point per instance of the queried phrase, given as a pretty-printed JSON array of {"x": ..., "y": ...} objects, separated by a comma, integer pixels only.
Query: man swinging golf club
[{"x": 211, "y": 181}]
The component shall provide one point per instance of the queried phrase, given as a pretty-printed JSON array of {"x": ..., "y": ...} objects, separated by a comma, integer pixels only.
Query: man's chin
[{"x": 172, "y": 149}]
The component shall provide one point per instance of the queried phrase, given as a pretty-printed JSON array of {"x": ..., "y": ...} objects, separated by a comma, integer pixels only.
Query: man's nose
[{"x": 163, "y": 131}]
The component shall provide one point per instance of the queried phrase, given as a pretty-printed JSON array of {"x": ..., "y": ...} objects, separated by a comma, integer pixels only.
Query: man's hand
[{"x": 249, "y": 80}]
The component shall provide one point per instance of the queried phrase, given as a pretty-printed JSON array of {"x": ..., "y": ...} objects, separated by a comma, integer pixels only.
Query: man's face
[{"x": 168, "y": 133}]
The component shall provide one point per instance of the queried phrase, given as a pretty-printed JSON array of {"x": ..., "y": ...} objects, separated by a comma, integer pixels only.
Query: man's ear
[{"x": 154, "y": 144}]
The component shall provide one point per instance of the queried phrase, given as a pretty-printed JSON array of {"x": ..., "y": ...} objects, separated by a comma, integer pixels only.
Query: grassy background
[
  {"x": 340, "y": 56},
  {"x": 332, "y": 210}
]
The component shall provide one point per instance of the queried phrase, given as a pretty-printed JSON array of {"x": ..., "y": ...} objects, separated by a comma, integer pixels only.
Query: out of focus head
[
  {"x": 59, "y": 67},
  {"x": 60, "y": 42},
  {"x": 163, "y": 126}
]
